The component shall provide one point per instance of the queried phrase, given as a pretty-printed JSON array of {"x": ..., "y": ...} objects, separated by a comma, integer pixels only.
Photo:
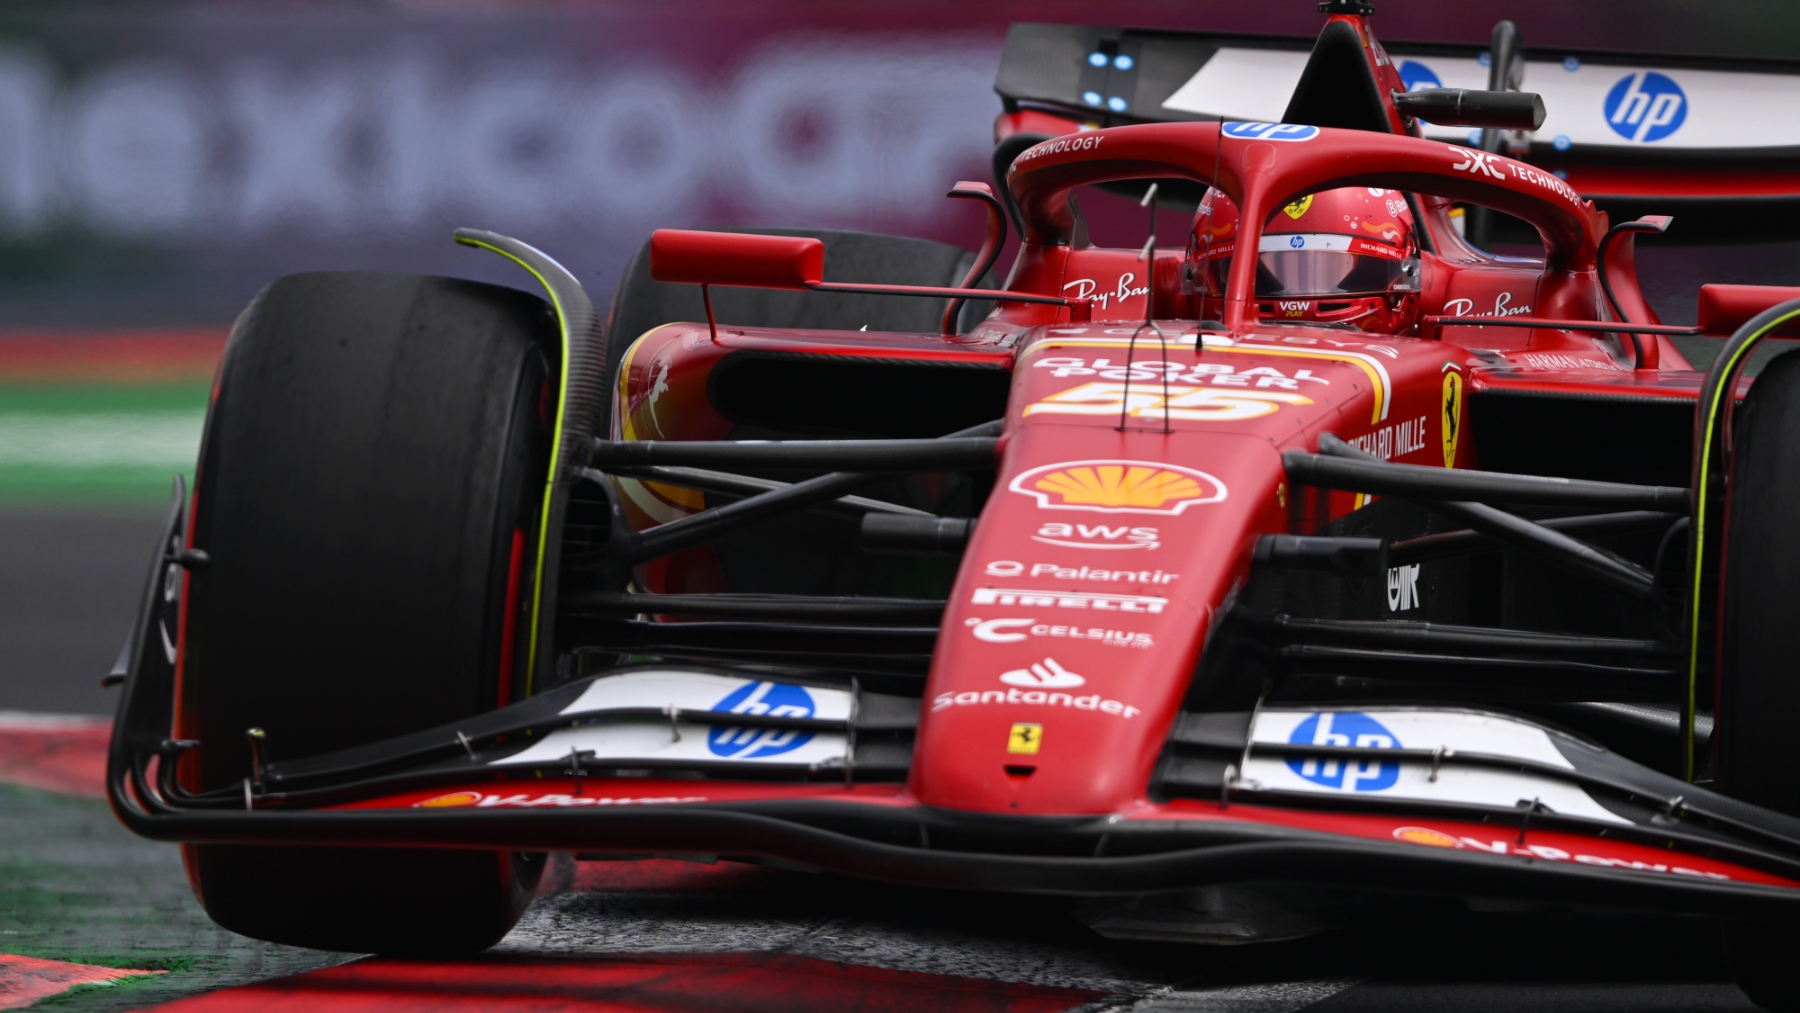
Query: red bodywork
[
  {"x": 1141, "y": 461},
  {"x": 1075, "y": 555}
]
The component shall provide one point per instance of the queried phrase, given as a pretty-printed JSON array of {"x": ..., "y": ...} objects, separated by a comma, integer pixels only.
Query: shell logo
[
  {"x": 450, "y": 801},
  {"x": 1422, "y": 835},
  {"x": 1137, "y": 487}
]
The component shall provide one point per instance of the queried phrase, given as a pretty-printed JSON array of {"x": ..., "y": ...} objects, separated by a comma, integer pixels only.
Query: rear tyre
[
  {"x": 368, "y": 485},
  {"x": 1759, "y": 698}
]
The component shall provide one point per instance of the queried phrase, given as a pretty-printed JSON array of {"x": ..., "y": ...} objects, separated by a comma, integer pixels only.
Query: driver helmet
[{"x": 1346, "y": 256}]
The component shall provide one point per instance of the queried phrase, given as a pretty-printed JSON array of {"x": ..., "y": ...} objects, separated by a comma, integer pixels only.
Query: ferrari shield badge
[
  {"x": 1025, "y": 738},
  {"x": 1298, "y": 208},
  {"x": 1452, "y": 421}
]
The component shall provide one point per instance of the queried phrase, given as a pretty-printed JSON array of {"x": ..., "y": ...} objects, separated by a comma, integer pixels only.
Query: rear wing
[{"x": 1635, "y": 133}]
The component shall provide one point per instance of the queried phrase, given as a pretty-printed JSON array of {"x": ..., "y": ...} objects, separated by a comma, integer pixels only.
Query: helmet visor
[{"x": 1298, "y": 264}]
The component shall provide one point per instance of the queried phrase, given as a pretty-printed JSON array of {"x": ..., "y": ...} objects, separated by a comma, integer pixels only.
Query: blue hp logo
[
  {"x": 774, "y": 698},
  {"x": 1645, "y": 107},
  {"x": 1297, "y": 242},
  {"x": 1270, "y": 131},
  {"x": 1415, "y": 75},
  {"x": 1345, "y": 728}
]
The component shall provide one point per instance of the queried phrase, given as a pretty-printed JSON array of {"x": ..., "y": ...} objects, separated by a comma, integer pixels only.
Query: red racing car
[{"x": 1323, "y": 560}]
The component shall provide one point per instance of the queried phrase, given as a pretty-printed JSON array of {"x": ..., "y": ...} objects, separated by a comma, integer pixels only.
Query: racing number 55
[{"x": 1198, "y": 404}]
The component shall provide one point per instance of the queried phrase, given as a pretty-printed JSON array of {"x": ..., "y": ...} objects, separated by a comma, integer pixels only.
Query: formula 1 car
[{"x": 1225, "y": 588}]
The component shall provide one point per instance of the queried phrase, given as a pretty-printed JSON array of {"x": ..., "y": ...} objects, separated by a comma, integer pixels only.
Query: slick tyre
[
  {"x": 1759, "y": 699},
  {"x": 369, "y": 479},
  {"x": 1761, "y": 955}
]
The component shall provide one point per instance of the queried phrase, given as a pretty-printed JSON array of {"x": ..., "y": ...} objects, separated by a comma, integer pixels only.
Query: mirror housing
[
  {"x": 736, "y": 259},
  {"x": 1725, "y": 308}
]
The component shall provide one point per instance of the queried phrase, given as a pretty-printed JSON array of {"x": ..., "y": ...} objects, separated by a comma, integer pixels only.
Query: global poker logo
[
  {"x": 1645, "y": 107},
  {"x": 777, "y": 699},
  {"x": 1345, "y": 728}
]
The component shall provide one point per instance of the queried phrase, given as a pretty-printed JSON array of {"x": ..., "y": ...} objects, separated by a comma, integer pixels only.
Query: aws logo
[
  {"x": 1115, "y": 487},
  {"x": 1646, "y": 106}
]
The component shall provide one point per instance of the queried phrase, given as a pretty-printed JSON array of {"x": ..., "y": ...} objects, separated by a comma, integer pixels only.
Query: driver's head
[{"x": 1344, "y": 256}]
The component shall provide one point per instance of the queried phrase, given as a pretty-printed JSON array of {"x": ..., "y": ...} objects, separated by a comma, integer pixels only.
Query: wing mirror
[
  {"x": 737, "y": 260},
  {"x": 794, "y": 263}
]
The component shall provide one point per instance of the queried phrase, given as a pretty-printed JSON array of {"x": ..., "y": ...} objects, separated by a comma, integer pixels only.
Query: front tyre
[
  {"x": 1759, "y": 695},
  {"x": 369, "y": 486}
]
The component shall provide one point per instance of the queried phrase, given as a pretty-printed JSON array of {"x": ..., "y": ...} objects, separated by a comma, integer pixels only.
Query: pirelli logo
[{"x": 1069, "y": 600}]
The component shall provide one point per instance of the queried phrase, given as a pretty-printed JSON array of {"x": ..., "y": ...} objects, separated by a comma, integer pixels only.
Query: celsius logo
[
  {"x": 775, "y": 699},
  {"x": 1046, "y": 674},
  {"x": 1646, "y": 106},
  {"x": 1270, "y": 131},
  {"x": 1345, "y": 728},
  {"x": 1415, "y": 75}
]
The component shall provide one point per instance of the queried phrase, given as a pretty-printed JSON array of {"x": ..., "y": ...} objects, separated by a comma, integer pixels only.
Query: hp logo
[
  {"x": 772, "y": 698},
  {"x": 1645, "y": 107},
  {"x": 1415, "y": 75},
  {"x": 1345, "y": 728},
  {"x": 1297, "y": 242},
  {"x": 1270, "y": 131}
]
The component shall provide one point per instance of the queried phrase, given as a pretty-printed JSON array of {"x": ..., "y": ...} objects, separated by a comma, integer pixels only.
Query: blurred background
[{"x": 161, "y": 161}]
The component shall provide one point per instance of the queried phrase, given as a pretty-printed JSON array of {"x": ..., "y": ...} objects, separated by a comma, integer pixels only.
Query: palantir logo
[
  {"x": 1270, "y": 131},
  {"x": 777, "y": 699},
  {"x": 1345, "y": 728},
  {"x": 1645, "y": 107}
]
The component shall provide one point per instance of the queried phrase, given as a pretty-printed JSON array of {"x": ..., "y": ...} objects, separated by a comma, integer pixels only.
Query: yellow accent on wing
[{"x": 556, "y": 445}]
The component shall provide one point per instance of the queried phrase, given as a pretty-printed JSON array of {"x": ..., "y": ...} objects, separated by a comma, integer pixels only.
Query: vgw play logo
[
  {"x": 1646, "y": 106},
  {"x": 1344, "y": 728},
  {"x": 775, "y": 699}
]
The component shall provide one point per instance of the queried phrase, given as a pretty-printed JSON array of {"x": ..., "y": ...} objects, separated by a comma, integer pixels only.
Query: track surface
[
  {"x": 70, "y": 578},
  {"x": 666, "y": 935}
]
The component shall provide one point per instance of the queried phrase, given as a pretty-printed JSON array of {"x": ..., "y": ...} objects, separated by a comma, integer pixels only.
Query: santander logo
[{"x": 1046, "y": 674}]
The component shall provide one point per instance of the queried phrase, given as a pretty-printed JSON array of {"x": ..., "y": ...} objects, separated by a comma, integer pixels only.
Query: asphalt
[
  {"x": 666, "y": 935},
  {"x": 70, "y": 577}
]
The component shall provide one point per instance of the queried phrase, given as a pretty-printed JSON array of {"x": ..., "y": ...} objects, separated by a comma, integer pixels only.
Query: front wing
[{"x": 752, "y": 764}]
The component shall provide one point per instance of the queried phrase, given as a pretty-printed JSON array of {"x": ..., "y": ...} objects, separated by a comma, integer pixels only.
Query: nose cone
[{"x": 1077, "y": 621}]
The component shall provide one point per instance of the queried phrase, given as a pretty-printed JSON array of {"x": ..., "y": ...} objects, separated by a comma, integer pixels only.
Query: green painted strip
[
  {"x": 75, "y": 885},
  {"x": 108, "y": 443}
]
